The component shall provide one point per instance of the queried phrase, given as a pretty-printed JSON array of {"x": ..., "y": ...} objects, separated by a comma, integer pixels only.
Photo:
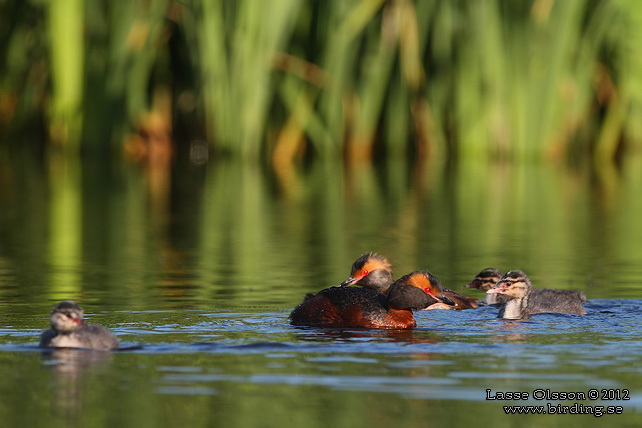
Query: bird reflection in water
[{"x": 69, "y": 366}]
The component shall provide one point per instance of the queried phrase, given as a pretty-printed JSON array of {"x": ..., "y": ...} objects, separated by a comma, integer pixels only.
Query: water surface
[{"x": 197, "y": 272}]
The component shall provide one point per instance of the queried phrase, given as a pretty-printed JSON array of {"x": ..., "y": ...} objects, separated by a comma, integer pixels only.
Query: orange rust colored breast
[
  {"x": 318, "y": 311},
  {"x": 348, "y": 307},
  {"x": 398, "y": 318}
]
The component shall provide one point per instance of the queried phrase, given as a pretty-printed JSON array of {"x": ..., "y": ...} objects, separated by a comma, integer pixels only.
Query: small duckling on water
[
  {"x": 484, "y": 281},
  {"x": 69, "y": 330},
  {"x": 524, "y": 300}
]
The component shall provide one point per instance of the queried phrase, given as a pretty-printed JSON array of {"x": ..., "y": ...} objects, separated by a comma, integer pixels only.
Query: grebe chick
[
  {"x": 349, "y": 307},
  {"x": 524, "y": 301},
  {"x": 484, "y": 281},
  {"x": 69, "y": 330}
]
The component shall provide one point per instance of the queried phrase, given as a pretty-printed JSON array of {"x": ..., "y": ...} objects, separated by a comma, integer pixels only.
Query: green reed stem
[{"x": 66, "y": 22}]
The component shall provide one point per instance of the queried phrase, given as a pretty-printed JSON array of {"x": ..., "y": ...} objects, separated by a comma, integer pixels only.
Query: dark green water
[{"x": 197, "y": 270}]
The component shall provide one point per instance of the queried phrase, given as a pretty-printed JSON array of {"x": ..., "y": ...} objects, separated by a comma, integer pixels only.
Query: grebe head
[
  {"x": 416, "y": 291},
  {"x": 66, "y": 316},
  {"x": 372, "y": 271},
  {"x": 486, "y": 279},
  {"x": 513, "y": 284}
]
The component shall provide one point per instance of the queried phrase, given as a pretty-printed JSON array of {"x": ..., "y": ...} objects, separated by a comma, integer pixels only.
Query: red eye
[
  {"x": 429, "y": 292},
  {"x": 365, "y": 272}
]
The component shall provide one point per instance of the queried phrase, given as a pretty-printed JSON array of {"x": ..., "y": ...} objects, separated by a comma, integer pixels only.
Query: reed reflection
[{"x": 232, "y": 233}]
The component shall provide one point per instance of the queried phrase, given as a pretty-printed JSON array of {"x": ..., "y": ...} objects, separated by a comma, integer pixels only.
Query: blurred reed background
[
  {"x": 252, "y": 124},
  {"x": 287, "y": 80}
]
